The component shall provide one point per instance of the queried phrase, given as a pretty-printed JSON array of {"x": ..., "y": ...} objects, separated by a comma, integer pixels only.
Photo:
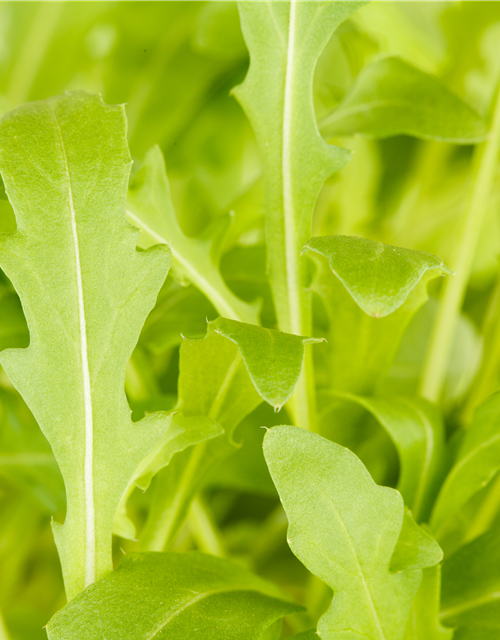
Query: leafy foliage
[
  {"x": 173, "y": 596},
  {"x": 309, "y": 169},
  {"x": 352, "y": 534}
]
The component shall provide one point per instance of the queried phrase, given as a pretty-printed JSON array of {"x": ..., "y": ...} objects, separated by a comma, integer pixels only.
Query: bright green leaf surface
[
  {"x": 345, "y": 529},
  {"x": 285, "y": 40},
  {"x": 379, "y": 277},
  {"x": 86, "y": 292},
  {"x": 416, "y": 429},
  {"x": 223, "y": 392},
  {"x": 273, "y": 359},
  {"x": 424, "y": 623},
  {"x": 150, "y": 207},
  {"x": 391, "y": 97},
  {"x": 477, "y": 463},
  {"x": 471, "y": 589},
  {"x": 172, "y": 597}
]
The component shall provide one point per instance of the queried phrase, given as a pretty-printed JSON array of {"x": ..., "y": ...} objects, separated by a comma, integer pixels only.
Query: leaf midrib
[
  {"x": 90, "y": 537},
  {"x": 198, "y": 598}
]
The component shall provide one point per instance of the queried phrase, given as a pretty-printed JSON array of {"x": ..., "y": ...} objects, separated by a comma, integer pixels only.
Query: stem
[
  {"x": 486, "y": 513},
  {"x": 205, "y": 530},
  {"x": 33, "y": 52},
  {"x": 484, "y": 169},
  {"x": 3, "y": 629}
]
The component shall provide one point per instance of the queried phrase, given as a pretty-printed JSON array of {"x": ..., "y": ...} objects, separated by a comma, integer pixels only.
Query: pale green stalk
[
  {"x": 438, "y": 354},
  {"x": 32, "y": 55},
  {"x": 3, "y": 630},
  {"x": 205, "y": 530}
]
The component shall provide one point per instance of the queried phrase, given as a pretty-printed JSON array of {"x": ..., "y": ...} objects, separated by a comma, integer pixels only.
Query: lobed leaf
[
  {"x": 285, "y": 40},
  {"x": 478, "y": 461},
  {"x": 86, "y": 292},
  {"x": 175, "y": 597},
  {"x": 392, "y": 97},
  {"x": 379, "y": 277},
  {"x": 346, "y": 530},
  {"x": 150, "y": 207},
  {"x": 272, "y": 358}
]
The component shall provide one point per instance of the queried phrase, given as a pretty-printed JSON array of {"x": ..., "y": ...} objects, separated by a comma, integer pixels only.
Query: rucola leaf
[
  {"x": 285, "y": 40},
  {"x": 416, "y": 429},
  {"x": 477, "y": 463},
  {"x": 424, "y": 623},
  {"x": 391, "y": 97},
  {"x": 370, "y": 291},
  {"x": 172, "y": 596},
  {"x": 471, "y": 589},
  {"x": 306, "y": 635},
  {"x": 86, "y": 292},
  {"x": 273, "y": 359},
  {"x": 247, "y": 364},
  {"x": 348, "y": 531},
  {"x": 379, "y": 277},
  {"x": 150, "y": 207}
]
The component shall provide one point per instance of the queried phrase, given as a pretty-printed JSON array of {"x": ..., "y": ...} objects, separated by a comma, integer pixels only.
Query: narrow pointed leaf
[
  {"x": 172, "y": 596},
  {"x": 273, "y": 359},
  {"x": 379, "y": 277},
  {"x": 391, "y": 97},
  {"x": 86, "y": 292},
  {"x": 285, "y": 40},
  {"x": 477, "y": 463},
  {"x": 345, "y": 529},
  {"x": 150, "y": 207}
]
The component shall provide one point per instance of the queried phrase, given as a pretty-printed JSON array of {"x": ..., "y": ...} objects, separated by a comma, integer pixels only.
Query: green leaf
[
  {"x": 285, "y": 40},
  {"x": 471, "y": 589},
  {"x": 306, "y": 635},
  {"x": 174, "y": 596},
  {"x": 86, "y": 292},
  {"x": 150, "y": 207},
  {"x": 478, "y": 461},
  {"x": 424, "y": 623},
  {"x": 391, "y": 97},
  {"x": 224, "y": 393},
  {"x": 379, "y": 277},
  {"x": 26, "y": 460},
  {"x": 273, "y": 359},
  {"x": 182, "y": 434},
  {"x": 345, "y": 529},
  {"x": 374, "y": 278},
  {"x": 13, "y": 329},
  {"x": 416, "y": 429}
]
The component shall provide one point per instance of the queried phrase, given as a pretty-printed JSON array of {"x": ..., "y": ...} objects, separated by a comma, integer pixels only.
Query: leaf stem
[
  {"x": 3, "y": 629},
  {"x": 205, "y": 530},
  {"x": 484, "y": 169}
]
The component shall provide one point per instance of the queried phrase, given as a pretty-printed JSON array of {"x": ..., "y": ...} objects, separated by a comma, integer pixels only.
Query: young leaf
[
  {"x": 150, "y": 207},
  {"x": 86, "y": 292},
  {"x": 370, "y": 298},
  {"x": 273, "y": 359},
  {"x": 345, "y": 529},
  {"x": 175, "y": 597},
  {"x": 416, "y": 429},
  {"x": 379, "y": 277},
  {"x": 423, "y": 623},
  {"x": 223, "y": 392},
  {"x": 391, "y": 97},
  {"x": 471, "y": 589},
  {"x": 477, "y": 463},
  {"x": 285, "y": 40}
]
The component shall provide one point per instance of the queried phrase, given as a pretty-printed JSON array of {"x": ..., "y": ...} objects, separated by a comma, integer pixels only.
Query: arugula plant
[{"x": 267, "y": 260}]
